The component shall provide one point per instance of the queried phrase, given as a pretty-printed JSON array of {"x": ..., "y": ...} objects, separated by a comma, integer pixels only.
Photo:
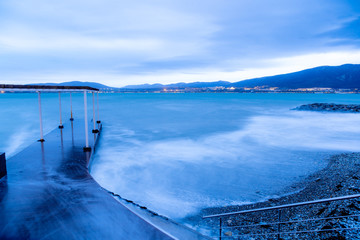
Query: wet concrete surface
[{"x": 48, "y": 193}]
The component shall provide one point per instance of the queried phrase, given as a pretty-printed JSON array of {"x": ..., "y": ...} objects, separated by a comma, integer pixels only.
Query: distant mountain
[
  {"x": 77, "y": 83},
  {"x": 179, "y": 85},
  {"x": 344, "y": 76}
]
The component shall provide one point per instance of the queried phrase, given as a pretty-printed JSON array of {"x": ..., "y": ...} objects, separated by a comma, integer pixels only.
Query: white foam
[
  {"x": 19, "y": 140},
  {"x": 177, "y": 177}
]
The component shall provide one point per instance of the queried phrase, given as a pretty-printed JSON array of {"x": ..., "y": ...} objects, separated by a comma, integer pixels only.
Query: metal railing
[
  {"x": 277, "y": 227},
  {"x": 9, "y": 88}
]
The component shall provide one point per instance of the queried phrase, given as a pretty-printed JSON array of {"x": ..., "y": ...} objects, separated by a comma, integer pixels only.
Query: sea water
[{"x": 179, "y": 153}]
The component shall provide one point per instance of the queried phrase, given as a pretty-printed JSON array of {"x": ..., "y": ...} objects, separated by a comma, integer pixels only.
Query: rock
[
  {"x": 338, "y": 187},
  {"x": 339, "y": 178},
  {"x": 354, "y": 189},
  {"x": 229, "y": 234},
  {"x": 327, "y": 226},
  {"x": 322, "y": 210},
  {"x": 353, "y": 206},
  {"x": 265, "y": 225},
  {"x": 329, "y": 107}
]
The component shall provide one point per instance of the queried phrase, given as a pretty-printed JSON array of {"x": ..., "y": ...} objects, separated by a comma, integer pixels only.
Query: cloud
[
  {"x": 133, "y": 39},
  {"x": 59, "y": 42},
  {"x": 265, "y": 67}
]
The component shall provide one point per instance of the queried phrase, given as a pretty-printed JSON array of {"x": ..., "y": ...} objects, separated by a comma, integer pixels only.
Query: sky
[{"x": 118, "y": 43}]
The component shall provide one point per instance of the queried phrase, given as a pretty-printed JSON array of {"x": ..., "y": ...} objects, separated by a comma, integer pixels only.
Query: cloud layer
[{"x": 119, "y": 43}]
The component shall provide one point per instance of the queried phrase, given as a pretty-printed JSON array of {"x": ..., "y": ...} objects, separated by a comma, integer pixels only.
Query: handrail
[
  {"x": 45, "y": 87},
  {"x": 36, "y": 88},
  {"x": 285, "y": 206},
  {"x": 294, "y": 232},
  {"x": 292, "y": 222}
]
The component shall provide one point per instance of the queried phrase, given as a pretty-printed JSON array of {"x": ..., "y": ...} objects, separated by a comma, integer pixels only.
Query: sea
[{"x": 178, "y": 153}]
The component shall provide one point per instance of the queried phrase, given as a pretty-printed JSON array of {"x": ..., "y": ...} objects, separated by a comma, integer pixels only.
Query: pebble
[{"x": 339, "y": 178}]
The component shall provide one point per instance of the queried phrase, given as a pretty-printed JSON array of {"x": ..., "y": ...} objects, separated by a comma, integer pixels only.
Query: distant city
[{"x": 221, "y": 89}]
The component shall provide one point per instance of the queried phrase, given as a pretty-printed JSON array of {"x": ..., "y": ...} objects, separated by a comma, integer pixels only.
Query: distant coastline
[
  {"x": 239, "y": 90},
  {"x": 257, "y": 89},
  {"x": 323, "y": 79}
]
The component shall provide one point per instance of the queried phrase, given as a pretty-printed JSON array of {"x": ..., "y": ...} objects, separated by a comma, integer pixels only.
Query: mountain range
[{"x": 344, "y": 76}]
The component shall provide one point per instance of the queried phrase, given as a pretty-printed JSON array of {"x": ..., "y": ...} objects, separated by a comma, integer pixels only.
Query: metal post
[
  {"x": 71, "y": 113},
  {"x": 43, "y": 163},
  {"x": 279, "y": 225},
  {"x": 97, "y": 102},
  {"x": 86, "y": 148},
  {"x": 72, "y": 133},
  {"x": 3, "y": 171},
  {"x": 220, "y": 229},
  {"x": 40, "y": 117},
  {"x": 61, "y": 125},
  {"x": 94, "y": 120}
]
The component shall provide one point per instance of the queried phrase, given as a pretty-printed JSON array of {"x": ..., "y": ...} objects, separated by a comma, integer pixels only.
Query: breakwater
[{"x": 329, "y": 107}]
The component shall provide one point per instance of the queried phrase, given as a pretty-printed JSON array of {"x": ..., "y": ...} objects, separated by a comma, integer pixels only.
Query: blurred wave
[
  {"x": 178, "y": 153},
  {"x": 179, "y": 174}
]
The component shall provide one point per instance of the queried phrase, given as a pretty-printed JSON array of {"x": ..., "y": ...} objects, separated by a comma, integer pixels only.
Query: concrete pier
[{"x": 48, "y": 193}]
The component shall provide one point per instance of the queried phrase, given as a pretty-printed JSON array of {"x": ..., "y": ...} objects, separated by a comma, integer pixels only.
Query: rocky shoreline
[
  {"x": 329, "y": 107},
  {"x": 341, "y": 177}
]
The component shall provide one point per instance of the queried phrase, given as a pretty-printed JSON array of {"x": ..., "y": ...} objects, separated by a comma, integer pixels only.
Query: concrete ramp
[{"x": 48, "y": 193}]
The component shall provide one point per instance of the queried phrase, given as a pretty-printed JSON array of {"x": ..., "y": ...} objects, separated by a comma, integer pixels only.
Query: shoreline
[{"x": 340, "y": 177}]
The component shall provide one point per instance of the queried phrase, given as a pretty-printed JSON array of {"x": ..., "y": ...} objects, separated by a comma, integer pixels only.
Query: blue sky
[{"x": 133, "y": 42}]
